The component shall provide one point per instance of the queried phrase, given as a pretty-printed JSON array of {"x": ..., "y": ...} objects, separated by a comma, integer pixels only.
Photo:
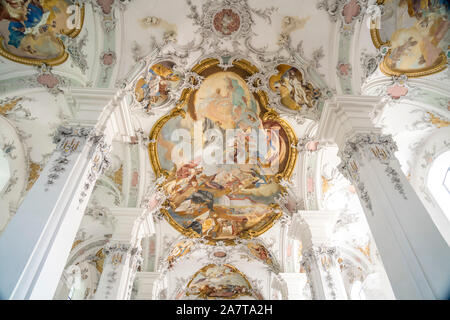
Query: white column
[
  {"x": 146, "y": 284},
  {"x": 123, "y": 253},
  {"x": 414, "y": 254},
  {"x": 295, "y": 282},
  {"x": 36, "y": 243},
  {"x": 119, "y": 269},
  {"x": 314, "y": 230}
]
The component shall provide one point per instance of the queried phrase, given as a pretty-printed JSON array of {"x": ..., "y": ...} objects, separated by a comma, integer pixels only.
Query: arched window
[
  {"x": 4, "y": 171},
  {"x": 438, "y": 182}
]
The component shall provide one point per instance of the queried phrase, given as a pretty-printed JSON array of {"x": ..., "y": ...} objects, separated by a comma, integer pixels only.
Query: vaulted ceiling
[{"x": 327, "y": 45}]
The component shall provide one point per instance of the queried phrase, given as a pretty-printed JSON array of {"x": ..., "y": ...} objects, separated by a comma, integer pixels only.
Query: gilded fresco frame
[
  {"x": 441, "y": 63},
  {"x": 269, "y": 114},
  {"x": 50, "y": 62},
  {"x": 233, "y": 268}
]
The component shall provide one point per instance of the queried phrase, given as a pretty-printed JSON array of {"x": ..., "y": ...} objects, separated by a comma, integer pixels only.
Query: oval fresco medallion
[
  {"x": 416, "y": 34},
  {"x": 219, "y": 282},
  {"x": 226, "y": 22},
  {"x": 179, "y": 250},
  {"x": 153, "y": 89},
  {"x": 260, "y": 252},
  {"x": 295, "y": 93},
  {"x": 222, "y": 182},
  {"x": 32, "y": 32}
]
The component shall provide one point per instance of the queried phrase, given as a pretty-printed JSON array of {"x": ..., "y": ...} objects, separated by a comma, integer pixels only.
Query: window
[{"x": 438, "y": 181}]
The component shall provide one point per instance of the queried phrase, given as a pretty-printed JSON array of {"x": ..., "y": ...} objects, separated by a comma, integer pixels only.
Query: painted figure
[
  {"x": 154, "y": 89},
  {"x": 222, "y": 201},
  {"x": 32, "y": 31},
  {"x": 295, "y": 93}
]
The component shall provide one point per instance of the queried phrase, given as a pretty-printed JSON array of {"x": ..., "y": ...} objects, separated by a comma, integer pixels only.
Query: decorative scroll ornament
[
  {"x": 69, "y": 140},
  {"x": 228, "y": 19},
  {"x": 50, "y": 81},
  {"x": 100, "y": 161},
  {"x": 107, "y": 8},
  {"x": 225, "y": 33}
]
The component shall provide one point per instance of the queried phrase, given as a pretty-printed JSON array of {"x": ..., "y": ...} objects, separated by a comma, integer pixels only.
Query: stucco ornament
[
  {"x": 363, "y": 147},
  {"x": 225, "y": 33},
  {"x": 345, "y": 11}
]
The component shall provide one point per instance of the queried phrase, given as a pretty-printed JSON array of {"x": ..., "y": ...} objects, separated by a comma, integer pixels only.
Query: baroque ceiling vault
[{"x": 211, "y": 70}]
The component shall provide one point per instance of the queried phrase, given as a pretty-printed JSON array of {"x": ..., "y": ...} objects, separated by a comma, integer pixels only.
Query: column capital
[
  {"x": 345, "y": 116},
  {"x": 316, "y": 252},
  {"x": 365, "y": 146},
  {"x": 118, "y": 252},
  {"x": 313, "y": 228}
]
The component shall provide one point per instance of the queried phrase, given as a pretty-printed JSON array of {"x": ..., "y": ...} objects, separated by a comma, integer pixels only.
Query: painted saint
[{"x": 295, "y": 93}]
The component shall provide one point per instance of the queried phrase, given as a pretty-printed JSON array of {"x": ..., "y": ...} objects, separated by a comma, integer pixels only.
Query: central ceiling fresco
[{"x": 221, "y": 185}]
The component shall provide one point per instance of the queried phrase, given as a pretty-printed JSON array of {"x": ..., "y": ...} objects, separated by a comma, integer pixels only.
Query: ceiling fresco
[
  {"x": 260, "y": 252},
  {"x": 294, "y": 92},
  {"x": 219, "y": 282},
  {"x": 193, "y": 248},
  {"x": 180, "y": 249},
  {"x": 224, "y": 192},
  {"x": 414, "y": 36},
  {"x": 154, "y": 89},
  {"x": 32, "y": 32}
]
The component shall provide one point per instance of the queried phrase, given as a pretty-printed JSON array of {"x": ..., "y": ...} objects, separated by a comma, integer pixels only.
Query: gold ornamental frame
[
  {"x": 438, "y": 66},
  {"x": 233, "y": 268},
  {"x": 268, "y": 114},
  {"x": 50, "y": 62}
]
